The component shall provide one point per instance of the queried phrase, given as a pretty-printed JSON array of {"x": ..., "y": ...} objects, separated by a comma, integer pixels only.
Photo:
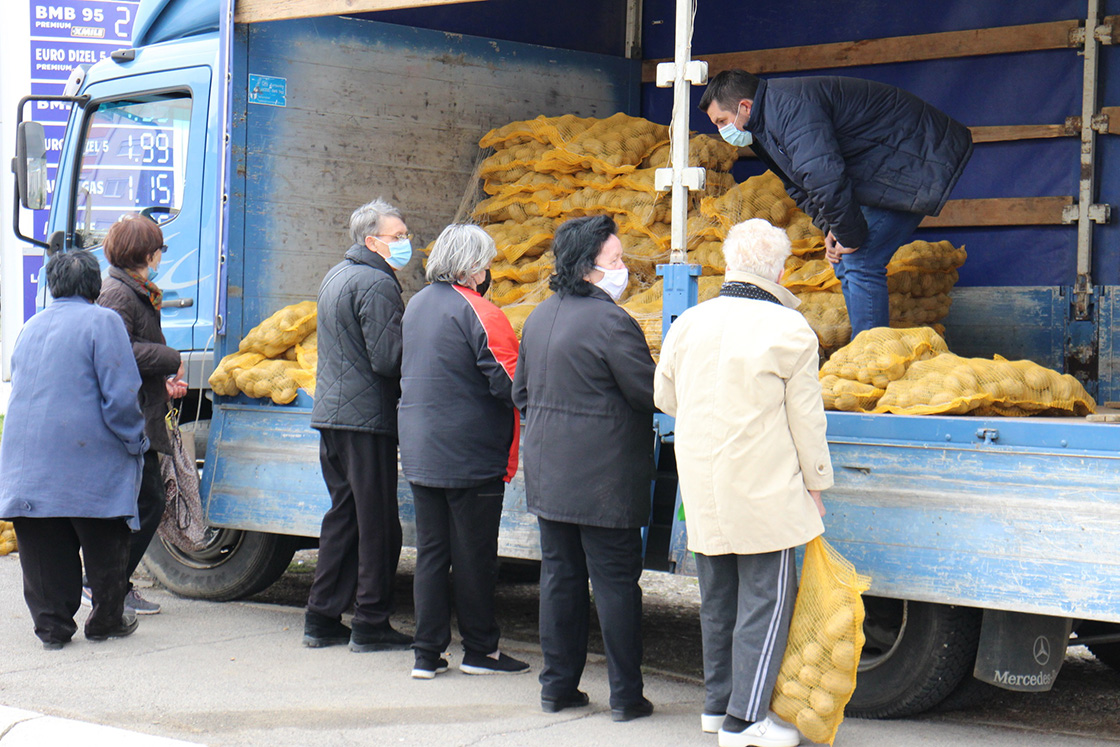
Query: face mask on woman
[
  {"x": 614, "y": 282},
  {"x": 400, "y": 252}
]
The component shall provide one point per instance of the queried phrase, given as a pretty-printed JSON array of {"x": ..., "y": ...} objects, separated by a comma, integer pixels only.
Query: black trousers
[
  {"x": 457, "y": 535},
  {"x": 150, "y": 504},
  {"x": 571, "y": 554},
  {"x": 360, "y": 542},
  {"x": 52, "y": 573}
]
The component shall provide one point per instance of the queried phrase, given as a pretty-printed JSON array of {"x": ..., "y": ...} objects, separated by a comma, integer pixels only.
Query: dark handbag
[{"x": 183, "y": 524}]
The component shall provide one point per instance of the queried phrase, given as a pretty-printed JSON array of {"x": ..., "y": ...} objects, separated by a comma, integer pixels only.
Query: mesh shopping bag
[{"x": 818, "y": 673}]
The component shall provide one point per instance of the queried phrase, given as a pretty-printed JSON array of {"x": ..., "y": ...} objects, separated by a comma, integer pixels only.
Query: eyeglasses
[{"x": 399, "y": 237}]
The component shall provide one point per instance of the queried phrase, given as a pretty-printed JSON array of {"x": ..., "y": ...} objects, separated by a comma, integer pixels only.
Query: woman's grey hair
[
  {"x": 74, "y": 273},
  {"x": 757, "y": 247},
  {"x": 460, "y": 251},
  {"x": 366, "y": 220}
]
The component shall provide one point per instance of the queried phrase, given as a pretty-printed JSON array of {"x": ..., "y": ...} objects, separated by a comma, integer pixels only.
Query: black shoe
[
  {"x": 320, "y": 631},
  {"x": 474, "y": 663},
  {"x": 127, "y": 627},
  {"x": 641, "y": 709},
  {"x": 427, "y": 666},
  {"x": 578, "y": 699},
  {"x": 366, "y": 637}
]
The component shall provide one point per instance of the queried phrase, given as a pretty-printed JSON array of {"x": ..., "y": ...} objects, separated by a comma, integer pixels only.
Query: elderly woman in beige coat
[{"x": 739, "y": 373}]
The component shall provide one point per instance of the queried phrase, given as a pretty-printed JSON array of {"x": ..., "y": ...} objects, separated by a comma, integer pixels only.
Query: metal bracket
[
  {"x": 1099, "y": 122},
  {"x": 695, "y": 72},
  {"x": 1077, "y": 37},
  {"x": 1103, "y": 33},
  {"x": 694, "y": 179},
  {"x": 1098, "y": 213},
  {"x": 988, "y": 435}
]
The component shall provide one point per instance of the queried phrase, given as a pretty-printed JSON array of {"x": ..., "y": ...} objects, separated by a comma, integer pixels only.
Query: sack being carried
[
  {"x": 818, "y": 673},
  {"x": 183, "y": 524}
]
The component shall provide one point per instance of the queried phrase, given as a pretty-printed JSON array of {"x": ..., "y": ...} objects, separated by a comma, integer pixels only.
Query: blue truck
[{"x": 250, "y": 131}]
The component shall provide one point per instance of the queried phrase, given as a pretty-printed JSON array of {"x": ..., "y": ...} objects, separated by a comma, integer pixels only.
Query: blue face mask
[
  {"x": 400, "y": 251},
  {"x": 734, "y": 136}
]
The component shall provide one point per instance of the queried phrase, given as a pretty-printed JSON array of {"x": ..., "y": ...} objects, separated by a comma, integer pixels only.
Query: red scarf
[{"x": 155, "y": 295}]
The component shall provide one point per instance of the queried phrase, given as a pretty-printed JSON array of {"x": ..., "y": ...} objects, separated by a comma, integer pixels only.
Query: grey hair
[
  {"x": 460, "y": 251},
  {"x": 366, "y": 220},
  {"x": 757, "y": 247}
]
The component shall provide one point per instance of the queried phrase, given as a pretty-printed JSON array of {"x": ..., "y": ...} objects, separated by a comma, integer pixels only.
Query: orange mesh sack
[
  {"x": 7, "y": 538},
  {"x": 811, "y": 275},
  {"x": 828, "y": 316},
  {"x": 848, "y": 395},
  {"x": 615, "y": 145},
  {"x": 703, "y": 150},
  {"x": 881, "y": 355},
  {"x": 275, "y": 379},
  {"x": 818, "y": 673},
  {"x": 515, "y": 240},
  {"x": 223, "y": 380},
  {"x": 280, "y": 331},
  {"x": 951, "y": 385}
]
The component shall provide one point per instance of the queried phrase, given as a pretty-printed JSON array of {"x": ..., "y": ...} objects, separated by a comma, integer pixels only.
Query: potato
[
  {"x": 809, "y": 675},
  {"x": 812, "y": 725},
  {"x": 844, "y": 655},
  {"x": 813, "y": 653},
  {"x": 837, "y": 682},
  {"x": 1037, "y": 378},
  {"x": 795, "y": 690},
  {"x": 840, "y": 624},
  {"x": 785, "y": 706},
  {"x": 823, "y": 702}
]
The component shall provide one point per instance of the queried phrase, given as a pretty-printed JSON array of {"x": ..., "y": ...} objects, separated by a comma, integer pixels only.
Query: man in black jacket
[
  {"x": 865, "y": 160},
  {"x": 356, "y": 392}
]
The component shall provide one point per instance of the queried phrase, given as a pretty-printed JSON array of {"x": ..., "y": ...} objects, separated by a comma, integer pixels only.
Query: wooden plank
[
  {"x": 255, "y": 11},
  {"x": 1004, "y": 133},
  {"x": 1001, "y": 211},
  {"x": 943, "y": 45}
]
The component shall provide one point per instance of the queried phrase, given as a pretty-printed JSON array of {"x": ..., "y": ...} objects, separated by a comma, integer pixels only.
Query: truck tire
[
  {"x": 234, "y": 564},
  {"x": 915, "y": 655}
]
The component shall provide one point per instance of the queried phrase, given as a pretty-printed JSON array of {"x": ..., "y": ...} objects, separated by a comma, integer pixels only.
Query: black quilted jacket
[
  {"x": 359, "y": 371},
  {"x": 838, "y": 143}
]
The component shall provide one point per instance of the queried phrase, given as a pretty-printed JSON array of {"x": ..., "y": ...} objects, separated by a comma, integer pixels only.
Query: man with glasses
[{"x": 356, "y": 392}]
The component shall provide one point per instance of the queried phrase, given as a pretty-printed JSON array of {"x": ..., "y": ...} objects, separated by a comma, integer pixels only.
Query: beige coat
[{"x": 740, "y": 376}]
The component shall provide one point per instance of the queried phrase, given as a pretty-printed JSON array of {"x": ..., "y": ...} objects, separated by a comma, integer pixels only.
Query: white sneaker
[
  {"x": 764, "y": 733},
  {"x": 710, "y": 723}
]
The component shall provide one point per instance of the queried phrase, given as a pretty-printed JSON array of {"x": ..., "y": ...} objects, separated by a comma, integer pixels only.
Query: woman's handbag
[{"x": 182, "y": 524}]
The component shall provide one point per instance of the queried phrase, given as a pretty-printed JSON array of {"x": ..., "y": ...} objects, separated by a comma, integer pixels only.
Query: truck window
[{"x": 134, "y": 157}]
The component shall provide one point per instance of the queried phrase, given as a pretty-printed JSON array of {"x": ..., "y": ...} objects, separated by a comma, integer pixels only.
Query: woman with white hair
[
  {"x": 739, "y": 373},
  {"x": 458, "y": 437}
]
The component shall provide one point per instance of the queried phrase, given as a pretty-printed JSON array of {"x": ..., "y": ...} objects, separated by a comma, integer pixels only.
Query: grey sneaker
[{"x": 138, "y": 604}]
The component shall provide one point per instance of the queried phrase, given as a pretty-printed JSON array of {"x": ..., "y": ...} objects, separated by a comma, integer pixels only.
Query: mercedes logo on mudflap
[{"x": 1042, "y": 650}]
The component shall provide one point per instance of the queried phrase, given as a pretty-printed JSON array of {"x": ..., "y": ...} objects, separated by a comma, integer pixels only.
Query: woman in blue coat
[{"x": 72, "y": 455}]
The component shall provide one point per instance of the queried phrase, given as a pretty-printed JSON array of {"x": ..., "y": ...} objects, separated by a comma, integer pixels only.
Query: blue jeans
[{"x": 863, "y": 273}]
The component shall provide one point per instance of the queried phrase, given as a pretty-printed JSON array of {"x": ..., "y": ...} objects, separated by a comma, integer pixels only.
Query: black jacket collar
[{"x": 361, "y": 254}]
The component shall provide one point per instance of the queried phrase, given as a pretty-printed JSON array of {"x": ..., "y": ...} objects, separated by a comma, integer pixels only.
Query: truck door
[{"x": 141, "y": 150}]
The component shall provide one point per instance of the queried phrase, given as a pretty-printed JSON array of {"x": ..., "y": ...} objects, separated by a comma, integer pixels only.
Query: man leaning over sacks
[
  {"x": 356, "y": 391},
  {"x": 865, "y": 160}
]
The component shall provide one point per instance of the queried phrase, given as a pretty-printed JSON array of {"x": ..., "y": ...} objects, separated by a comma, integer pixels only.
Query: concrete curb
[{"x": 19, "y": 728}]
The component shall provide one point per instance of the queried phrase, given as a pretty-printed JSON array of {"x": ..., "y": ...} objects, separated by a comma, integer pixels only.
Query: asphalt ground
[{"x": 236, "y": 674}]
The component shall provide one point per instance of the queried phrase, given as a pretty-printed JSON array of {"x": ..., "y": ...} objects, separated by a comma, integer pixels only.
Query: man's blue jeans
[{"x": 863, "y": 273}]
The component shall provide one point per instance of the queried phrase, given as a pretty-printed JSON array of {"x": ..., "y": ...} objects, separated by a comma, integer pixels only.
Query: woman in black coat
[
  {"x": 134, "y": 247},
  {"x": 585, "y": 384}
]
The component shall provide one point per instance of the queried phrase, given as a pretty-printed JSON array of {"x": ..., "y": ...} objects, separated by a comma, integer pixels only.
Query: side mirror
[{"x": 30, "y": 165}]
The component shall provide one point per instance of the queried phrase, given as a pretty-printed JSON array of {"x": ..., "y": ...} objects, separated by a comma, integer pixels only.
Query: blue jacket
[
  {"x": 838, "y": 143},
  {"x": 73, "y": 442},
  {"x": 458, "y": 428}
]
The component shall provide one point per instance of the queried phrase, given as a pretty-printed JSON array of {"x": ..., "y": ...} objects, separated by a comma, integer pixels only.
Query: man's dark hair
[
  {"x": 576, "y": 245},
  {"x": 729, "y": 88},
  {"x": 74, "y": 273}
]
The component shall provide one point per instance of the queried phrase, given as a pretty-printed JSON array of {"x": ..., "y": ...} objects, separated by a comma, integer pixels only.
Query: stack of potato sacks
[
  {"x": 277, "y": 357},
  {"x": 549, "y": 169},
  {"x": 7, "y": 538},
  {"x": 912, "y": 372}
]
